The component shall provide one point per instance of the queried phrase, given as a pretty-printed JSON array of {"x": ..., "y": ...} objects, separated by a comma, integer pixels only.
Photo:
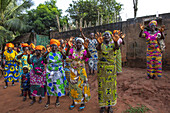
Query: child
[{"x": 25, "y": 82}]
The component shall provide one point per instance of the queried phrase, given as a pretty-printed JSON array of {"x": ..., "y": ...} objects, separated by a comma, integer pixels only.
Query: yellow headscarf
[
  {"x": 32, "y": 46},
  {"x": 10, "y": 45},
  {"x": 24, "y": 45},
  {"x": 39, "y": 47},
  {"x": 54, "y": 41}
]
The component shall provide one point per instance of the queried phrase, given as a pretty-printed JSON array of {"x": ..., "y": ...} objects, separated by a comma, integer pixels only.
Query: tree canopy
[{"x": 89, "y": 9}]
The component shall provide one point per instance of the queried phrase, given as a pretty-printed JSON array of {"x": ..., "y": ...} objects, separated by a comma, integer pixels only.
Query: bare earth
[{"x": 133, "y": 89}]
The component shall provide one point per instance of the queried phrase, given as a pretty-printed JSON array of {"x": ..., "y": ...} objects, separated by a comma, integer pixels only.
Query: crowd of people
[{"x": 59, "y": 66}]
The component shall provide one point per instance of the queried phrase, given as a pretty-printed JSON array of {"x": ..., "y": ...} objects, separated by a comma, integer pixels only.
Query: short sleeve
[
  {"x": 70, "y": 53},
  {"x": 146, "y": 34},
  {"x": 119, "y": 41}
]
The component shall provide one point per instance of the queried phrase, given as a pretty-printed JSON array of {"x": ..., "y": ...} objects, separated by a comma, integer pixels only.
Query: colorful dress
[
  {"x": 37, "y": 76},
  {"x": 92, "y": 62},
  {"x": 25, "y": 80},
  {"x": 154, "y": 55},
  {"x": 56, "y": 80},
  {"x": 79, "y": 87},
  {"x": 107, "y": 78},
  {"x": 11, "y": 68},
  {"x": 22, "y": 62}
]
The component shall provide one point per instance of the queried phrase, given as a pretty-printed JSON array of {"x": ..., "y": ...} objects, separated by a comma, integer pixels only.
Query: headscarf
[
  {"x": 79, "y": 39},
  {"x": 153, "y": 22},
  {"x": 24, "y": 45},
  {"x": 32, "y": 46},
  {"x": 116, "y": 31},
  {"x": 39, "y": 47},
  {"x": 10, "y": 45},
  {"x": 54, "y": 41},
  {"x": 107, "y": 31}
]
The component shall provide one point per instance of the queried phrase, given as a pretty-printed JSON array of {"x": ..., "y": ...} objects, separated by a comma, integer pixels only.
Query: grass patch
[{"x": 138, "y": 109}]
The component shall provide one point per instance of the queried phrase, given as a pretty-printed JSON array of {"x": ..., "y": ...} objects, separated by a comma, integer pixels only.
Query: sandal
[
  {"x": 72, "y": 107},
  {"x": 47, "y": 106},
  {"x": 81, "y": 108},
  {"x": 5, "y": 87},
  {"x": 24, "y": 99},
  {"x": 32, "y": 102},
  {"x": 57, "y": 104},
  {"x": 102, "y": 110}
]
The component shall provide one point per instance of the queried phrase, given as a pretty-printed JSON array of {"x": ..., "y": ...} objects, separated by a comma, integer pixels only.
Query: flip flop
[
  {"x": 47, "y": 106},
  {"x": 72, "y": 107},
  {"x": 81, "y": 108},
  {"x": 5, "y": 87},
  {"x": 57, "y": 104}
]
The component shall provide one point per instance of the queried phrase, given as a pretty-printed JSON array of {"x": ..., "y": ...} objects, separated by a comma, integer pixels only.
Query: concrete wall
[{"x": 134, "y": 50}]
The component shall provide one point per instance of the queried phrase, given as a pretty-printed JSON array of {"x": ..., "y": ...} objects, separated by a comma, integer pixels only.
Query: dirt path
[{"x": 133, "y": 89}]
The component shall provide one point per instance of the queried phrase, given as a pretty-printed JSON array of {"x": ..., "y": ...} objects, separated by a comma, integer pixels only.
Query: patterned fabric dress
[
  {"x": 23, "y": 62},
  {"x": 25, "y": 80},
  {"x": 119, "y": 61},
  {"x": 11, "y": 68},
  {"x": 78, "y": 78},
  {"x": 154, "y": 55},
  {"x": 37, "y": 76},
  {"x": 92, "y": 62},
  {"x": 107, "y": 78},
  {"x": 56, "y": 80}
]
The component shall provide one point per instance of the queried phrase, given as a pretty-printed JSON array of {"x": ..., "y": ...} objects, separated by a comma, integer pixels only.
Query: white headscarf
[{"x": 80, "y": 39}]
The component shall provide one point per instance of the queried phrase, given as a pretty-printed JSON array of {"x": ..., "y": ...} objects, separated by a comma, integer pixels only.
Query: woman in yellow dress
[{"x": 11, "y": 68}]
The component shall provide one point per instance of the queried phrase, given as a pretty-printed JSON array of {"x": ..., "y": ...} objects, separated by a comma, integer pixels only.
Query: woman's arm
[
  {"x": 28, "y": 59},
  {"x": 88, "y": 53}
]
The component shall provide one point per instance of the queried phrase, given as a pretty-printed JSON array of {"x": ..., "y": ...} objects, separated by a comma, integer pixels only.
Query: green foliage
[
  {"x": 44, "y": 17},
  {"x": 141, "y": 109},
  {"x": 11, "y": 20},
  {"x": 88, "y": 10}
]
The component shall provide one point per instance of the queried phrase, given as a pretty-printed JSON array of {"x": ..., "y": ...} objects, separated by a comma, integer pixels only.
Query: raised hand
[
  {"x": 28, "y": 52},
  {"x": 49, "y": 49},
  {"x": 162, "y": 29},
  {"x": 24, "y": 53},
  {"x": 99, "y": 37},
  {"x": 142, "y": 27},
  {"x": 70, "y": 41},
  {"x": 80, "y": 29},
  {"x": 86, "y": 43},
  {"x": 123, "y": 36}
]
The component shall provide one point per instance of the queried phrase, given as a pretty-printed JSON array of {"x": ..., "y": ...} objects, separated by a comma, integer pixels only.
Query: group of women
[{"x": 62, "y": 64}]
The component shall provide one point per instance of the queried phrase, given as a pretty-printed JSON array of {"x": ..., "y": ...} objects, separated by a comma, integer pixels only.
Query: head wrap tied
[
  {"x": 24, "y": 45},
  {"x": 153, "y": 22},
  {"x": 39, "y": 47},
  {"x": 10, "y": 45},
  {"x": 54, "y": 41},
  {"x": 32, "y": 46},
  {"x": 116, "y": 31},
  {"x": 79, "y": 39}
]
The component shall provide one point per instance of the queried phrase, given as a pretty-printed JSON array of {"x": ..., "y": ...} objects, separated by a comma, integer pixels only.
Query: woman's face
[
  {"x": 92, "y": 35},
  {"x": 25, "y": 70},
  {"x": 107, "y": 37},
  {"x": 54, "y": 47},
  {"x": 25, "y": 49},
  {"x": 152, "y": 27},
  {"x": 10, "y": 49},
  {"x": 79, "y": 44},
  {"x": 38, "y": 52}
]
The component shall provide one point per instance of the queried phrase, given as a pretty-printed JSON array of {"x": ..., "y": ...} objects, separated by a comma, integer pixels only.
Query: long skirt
[
  {"x": 107, "y": 84},
  {"x": 79, "y": 89},
  {"x": 56, "y": 82},
  {"x": 11, "y": 72},
  {"x": 154, "y": 63},
  {"x": 37, "y": 83},
  {"x": 92, "y": 62},
  {"x": 119, "y": 61}
]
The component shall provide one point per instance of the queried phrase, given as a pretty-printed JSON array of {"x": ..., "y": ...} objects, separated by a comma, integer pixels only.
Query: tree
[
  {"x": 43, "y": 18},
  {"x": 11, "y": 23},
  {"x": 88, "y": 10},
  {"x": 135, "y": 4}
]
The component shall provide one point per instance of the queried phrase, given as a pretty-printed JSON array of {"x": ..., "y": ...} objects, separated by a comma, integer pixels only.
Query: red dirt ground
[{"x": 133, "y": 89}]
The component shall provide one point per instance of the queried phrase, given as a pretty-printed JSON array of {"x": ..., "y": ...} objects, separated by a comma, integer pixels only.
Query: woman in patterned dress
[
  {"x": 154, "y": 55},
  {"x": 22, "y": 59},
  {"x": 37, "y": 74},
  {"x": 78, "y": 85},
  {"x": 55, "y": 75},
  {"x": 11, "y": 68},
  {"x": 107, "y": 76}
]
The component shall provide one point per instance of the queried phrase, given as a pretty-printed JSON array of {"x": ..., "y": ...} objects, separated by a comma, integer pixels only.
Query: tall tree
[
  {"x": 43, "y": 18},
  {"x": 135, "y": 6},
  {"x": 11, "y": 23},
  {"x": 88, "y": 10}
]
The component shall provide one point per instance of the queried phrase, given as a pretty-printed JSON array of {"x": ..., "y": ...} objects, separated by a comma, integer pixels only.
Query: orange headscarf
[
  {"x": 54, "y": 41},
  {"x": 24, "y": 45},
  {"x": 116, "y": 31},
  {"x": 32, "y": 46},
  {"x": 10, "y": 45},
  {"x": 40, "y": 47}
]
